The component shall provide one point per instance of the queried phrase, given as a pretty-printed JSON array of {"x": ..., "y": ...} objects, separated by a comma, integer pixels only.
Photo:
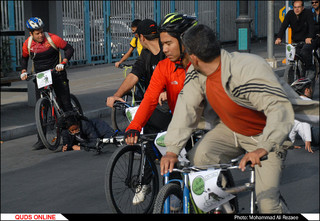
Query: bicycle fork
[
  {"x": 130, "y": 181},
  {"x": 186, "y": 193}
]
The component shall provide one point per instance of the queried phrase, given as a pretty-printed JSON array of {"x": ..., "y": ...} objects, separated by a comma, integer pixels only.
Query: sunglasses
[{"x": 314, "y": 2}]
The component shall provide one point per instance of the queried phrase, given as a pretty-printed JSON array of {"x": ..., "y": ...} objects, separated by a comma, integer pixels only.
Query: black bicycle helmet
[
  {"x": 301, "y": 84},
  {"x": 176, "y": 24}
]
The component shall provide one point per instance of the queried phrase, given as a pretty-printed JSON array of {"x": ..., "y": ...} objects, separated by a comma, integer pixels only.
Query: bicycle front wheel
[
  {"x": 317, "y": 68},
  {"x": 289, "y": 74},
  {"x": 46, "y": 121},
  {"x": 173, "y": 193},
  {"x": 122, "y": 181},
  {"x": 119, "y": 119}
]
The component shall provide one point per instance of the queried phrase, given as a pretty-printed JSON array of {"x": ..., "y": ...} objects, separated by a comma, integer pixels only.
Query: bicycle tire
[
  {"x": 316, "y": 68},
  {"x": 47, "y": 124},
  {"x": 120, "y": 189},
  {"x": 76, "y": 104},
  {"x": 175, "y": 189},
  {"x": 166, "y": 191},
  {"x": 119, "y": 119},
  {"x": 284, "y": 205},
  {"x": 289, "y": 74}
]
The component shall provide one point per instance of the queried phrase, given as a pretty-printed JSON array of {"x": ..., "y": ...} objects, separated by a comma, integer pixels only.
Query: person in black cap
[{"x": 143, "y": 69}]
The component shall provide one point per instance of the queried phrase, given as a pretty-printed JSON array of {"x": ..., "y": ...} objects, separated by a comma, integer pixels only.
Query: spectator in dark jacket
[
  {"x": 82, "y": 133},
  {"x": 301, "y": 22}
]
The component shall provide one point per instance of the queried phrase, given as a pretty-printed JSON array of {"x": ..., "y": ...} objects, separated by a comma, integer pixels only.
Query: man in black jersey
[{"x": 143, "y": 69}]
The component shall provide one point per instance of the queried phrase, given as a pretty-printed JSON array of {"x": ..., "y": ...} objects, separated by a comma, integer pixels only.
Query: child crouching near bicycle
[{"x": 81, "y": 133}]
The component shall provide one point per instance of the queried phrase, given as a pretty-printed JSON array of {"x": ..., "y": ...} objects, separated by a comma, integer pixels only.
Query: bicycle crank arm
[{"x": 238, "y": 189}]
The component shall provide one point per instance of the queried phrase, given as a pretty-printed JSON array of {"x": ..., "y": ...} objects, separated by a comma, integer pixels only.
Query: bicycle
[
  {"x": 205, "y": 189},
  {"x": 132, "y": 168},
  {"x": 132, "y": 98},
  {"x": 297, "y": 66},
  {"x": 48, "y": 111},
  {"x": 295, "y": 62}
]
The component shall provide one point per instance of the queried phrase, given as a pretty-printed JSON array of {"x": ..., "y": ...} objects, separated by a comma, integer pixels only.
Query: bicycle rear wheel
[
  {"x": 76, "y": 104},
  {"x": 46, "y": 121},
  {"x": 122, "y": 181},
  {"x": 289, "y": 74}
]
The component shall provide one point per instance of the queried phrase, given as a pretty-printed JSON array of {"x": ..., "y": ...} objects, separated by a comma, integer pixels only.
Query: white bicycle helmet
[{"x": 34, "y": 23}]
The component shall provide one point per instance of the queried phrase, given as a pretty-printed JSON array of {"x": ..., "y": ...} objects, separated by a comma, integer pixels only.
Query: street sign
[{"x": 282, "y": 13}]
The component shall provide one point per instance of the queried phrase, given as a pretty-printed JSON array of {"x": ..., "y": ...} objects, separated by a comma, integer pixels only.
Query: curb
[{"x": 30, "y": 129}]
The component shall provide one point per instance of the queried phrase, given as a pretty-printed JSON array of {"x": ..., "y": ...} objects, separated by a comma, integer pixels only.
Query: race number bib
[
  {"x": 205, "y": 192},
  {"x": 44, "y": 79},
  {"x": 290, "y": 52}
]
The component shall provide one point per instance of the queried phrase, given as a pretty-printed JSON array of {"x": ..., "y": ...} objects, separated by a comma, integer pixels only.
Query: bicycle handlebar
[
  {"x": 183, "y": 166},
  {"x": 31, "y": 76},
  {"x": 125, "y": 65},
  {"x": 120, "y": 105},
  {"x": 293, "y": 44}
]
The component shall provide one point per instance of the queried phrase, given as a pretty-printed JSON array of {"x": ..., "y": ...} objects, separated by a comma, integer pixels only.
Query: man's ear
[
  {"x": 142, "y": 38},
  {"x": 194, "y": 59}
]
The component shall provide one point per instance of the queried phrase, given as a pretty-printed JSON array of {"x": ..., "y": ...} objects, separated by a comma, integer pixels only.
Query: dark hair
[
  {"x": 135, "y": 23},
  {"x": 201, "y": 41},
  {"x": 71, "y": 120},
  {"x": 298, "y": 1}
]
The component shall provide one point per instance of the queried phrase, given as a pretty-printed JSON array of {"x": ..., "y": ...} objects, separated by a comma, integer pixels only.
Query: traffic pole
[{"x": 270, "y": 35}]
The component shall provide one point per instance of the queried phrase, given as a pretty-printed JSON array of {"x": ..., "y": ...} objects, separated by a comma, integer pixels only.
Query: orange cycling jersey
[{"x": 164, "y": 78}]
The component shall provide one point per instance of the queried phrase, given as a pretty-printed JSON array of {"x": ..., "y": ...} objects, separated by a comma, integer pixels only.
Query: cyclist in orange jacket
[{"x": 169, "y": 75}]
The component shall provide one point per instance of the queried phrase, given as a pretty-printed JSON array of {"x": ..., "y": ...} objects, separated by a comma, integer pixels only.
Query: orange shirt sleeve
[{"x": 150, "y": 100}]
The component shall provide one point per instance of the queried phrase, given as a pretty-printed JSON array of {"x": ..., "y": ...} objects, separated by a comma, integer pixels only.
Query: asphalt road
[{"x": 73, "y": 182}]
